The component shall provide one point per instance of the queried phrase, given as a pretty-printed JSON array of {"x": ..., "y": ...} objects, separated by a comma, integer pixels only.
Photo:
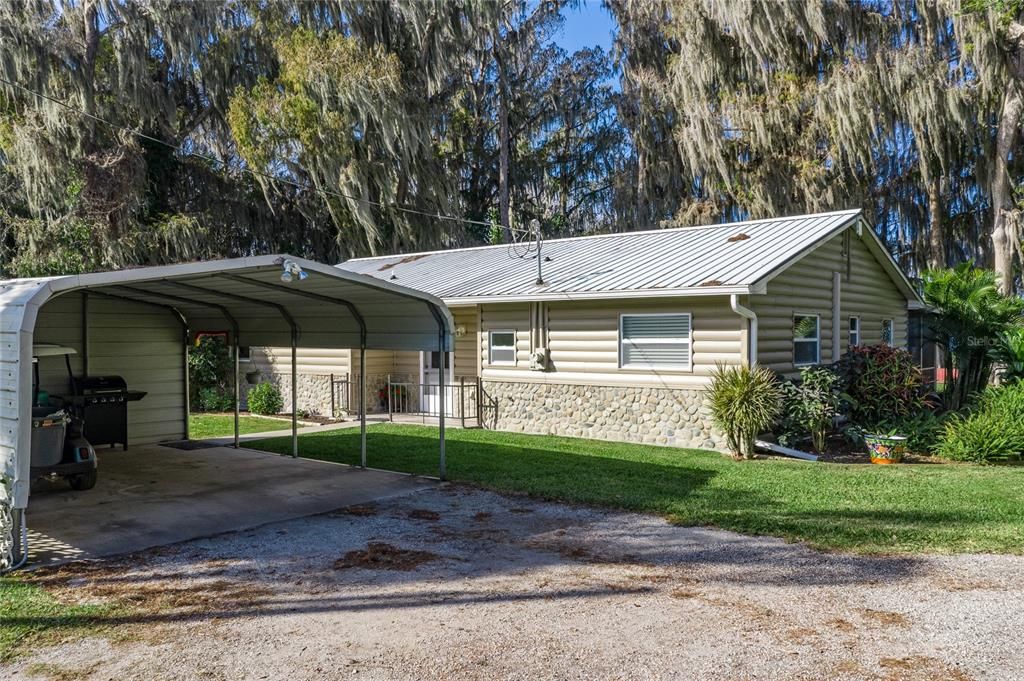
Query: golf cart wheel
[{"x": 82, "y": 481}]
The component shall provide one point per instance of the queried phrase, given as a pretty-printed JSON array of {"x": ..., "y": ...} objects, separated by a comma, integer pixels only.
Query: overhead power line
[{"x": 251, "y": 171}]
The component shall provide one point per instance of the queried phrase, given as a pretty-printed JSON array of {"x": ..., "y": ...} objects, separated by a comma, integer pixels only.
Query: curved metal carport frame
[{"x": 375, "y": 314}]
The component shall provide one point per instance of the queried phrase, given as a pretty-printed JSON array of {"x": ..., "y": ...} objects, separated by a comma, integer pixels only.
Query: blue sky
[{"x": 588, "y": 25}]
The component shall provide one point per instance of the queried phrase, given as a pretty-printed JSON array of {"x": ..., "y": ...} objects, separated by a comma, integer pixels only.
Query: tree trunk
[
  {"x": 1004, "y": 211},
  {"x": 641, "y": 188},
  {"x": 936, "y": 226},
  {"x": 503, "y": 148},
  {"x": 91, "y": 36},
  {"x": 1003, "y": 204}
]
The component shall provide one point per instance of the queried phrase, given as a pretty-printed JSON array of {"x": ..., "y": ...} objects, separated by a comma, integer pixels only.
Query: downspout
[
  {"x": 837, "y": 347},
  {"x": 747, "y": 313}
]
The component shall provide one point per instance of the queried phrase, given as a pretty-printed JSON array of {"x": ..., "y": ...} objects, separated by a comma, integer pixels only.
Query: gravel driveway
[{"x": 458, "y": 583}]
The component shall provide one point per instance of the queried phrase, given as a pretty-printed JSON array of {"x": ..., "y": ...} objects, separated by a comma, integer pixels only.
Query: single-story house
[{"x": 616, "y": 336}]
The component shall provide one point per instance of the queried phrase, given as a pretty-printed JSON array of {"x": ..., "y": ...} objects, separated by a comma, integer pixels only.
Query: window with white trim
[
  {"x": 655, "y": 341},
  {"x": 887, "y": 332},
  {"x": 806, "y": 339},
  {"x": 854, "y": 331},
  {"x": 501, "y": 346}
]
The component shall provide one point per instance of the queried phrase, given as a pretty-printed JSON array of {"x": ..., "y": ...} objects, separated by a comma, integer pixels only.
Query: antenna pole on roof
[{"x": 535, "y": 224}]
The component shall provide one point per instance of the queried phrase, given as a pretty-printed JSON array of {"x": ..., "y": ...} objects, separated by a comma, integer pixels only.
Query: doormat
[{"x": 190, "y": 445}]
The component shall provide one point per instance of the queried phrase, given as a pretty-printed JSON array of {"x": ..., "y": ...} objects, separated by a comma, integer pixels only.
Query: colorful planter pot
[{"x": 886, "y": 449}]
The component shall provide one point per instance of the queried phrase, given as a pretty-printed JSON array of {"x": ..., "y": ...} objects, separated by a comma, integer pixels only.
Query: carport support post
[
  {"x": 362, "y": 404},
  {"x": 441, "y": 391},
  {"x": 238, "y": 396},
  {"x": 295, "y": 394}
]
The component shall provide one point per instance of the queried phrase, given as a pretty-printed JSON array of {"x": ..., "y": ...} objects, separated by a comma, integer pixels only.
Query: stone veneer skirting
[
  {"x": 663, "y": 416},
  {"x": 313, "y": 391}
]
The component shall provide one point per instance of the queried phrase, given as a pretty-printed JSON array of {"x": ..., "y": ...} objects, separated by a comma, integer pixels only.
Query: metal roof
[
  {"x": 738, "y": 257},
  {"x": 329, "y": 306}
]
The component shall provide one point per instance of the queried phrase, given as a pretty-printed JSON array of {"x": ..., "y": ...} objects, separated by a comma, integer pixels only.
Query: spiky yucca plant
[{"x": 744, "y": 402}]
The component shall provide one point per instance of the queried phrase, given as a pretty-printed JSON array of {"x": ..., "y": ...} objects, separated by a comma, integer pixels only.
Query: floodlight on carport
[{"x": 272, "y": 301}]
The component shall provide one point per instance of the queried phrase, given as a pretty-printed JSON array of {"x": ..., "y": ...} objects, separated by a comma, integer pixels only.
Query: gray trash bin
[{"x": 47, "y": 436}]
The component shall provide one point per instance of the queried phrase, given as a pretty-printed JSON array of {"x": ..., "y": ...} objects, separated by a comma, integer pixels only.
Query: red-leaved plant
[{"x": 883, "y": 383}]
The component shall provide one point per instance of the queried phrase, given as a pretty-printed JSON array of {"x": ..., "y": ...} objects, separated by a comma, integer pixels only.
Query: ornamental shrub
[
  {"x": 883, "y": 384},
  {"x": 265, "y": 399},
  {"x": 810, "y": 405},
  {"x": 1009, "y": 353},
  {"x": 923, "y": 430},
  {"x": 209, "y": 369},
  {"x": 744, "y": 402},
  {"x": 992, "y": 431},
  {"x": 214, "y": 399},
  {"x": 969, "y": 315}
]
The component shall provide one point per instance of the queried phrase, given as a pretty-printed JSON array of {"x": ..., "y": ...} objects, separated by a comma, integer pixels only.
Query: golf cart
[{"x": 59, "y": 449}]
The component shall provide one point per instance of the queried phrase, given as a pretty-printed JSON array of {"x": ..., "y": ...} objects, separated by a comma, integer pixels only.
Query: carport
[{"x": 140, "y": 323}]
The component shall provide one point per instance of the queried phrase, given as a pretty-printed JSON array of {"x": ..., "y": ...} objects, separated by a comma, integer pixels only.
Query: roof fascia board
[{"x": 602, "y": 295}]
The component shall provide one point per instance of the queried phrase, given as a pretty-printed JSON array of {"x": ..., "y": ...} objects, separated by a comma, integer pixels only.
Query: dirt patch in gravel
[
  {"x": 383, "y": 556},
  {"x": 888, "y": 619},
  {"x": 424, "y": 514},
  {"x": 119, "y": 584},
  {"x": 921, "y": 667},
  {"x": 358, "y": 510}
]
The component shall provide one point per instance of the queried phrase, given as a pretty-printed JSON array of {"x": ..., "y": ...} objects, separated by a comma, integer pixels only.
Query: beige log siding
[
  {"x": 583, "y": 342},
  {"x": 406, "y": 366},
  {"x": 505, "y": 317},
  {"x": 140, "y": 342},
  {"x": 806, "y": 288},
  {"x": 309, "y": 361},
  {"x": 465, "y": 345}
]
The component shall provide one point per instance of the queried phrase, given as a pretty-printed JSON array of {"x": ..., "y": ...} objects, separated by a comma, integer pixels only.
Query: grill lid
[{"x": 85, "y": 385}]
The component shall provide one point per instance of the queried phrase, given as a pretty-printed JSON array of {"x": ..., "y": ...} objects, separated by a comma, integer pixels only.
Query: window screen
[
  {"x": 854, "y": 331},
  {"x": 806, "y": 340},
  {"x": 654, "y": 340},
  {"x": 502, "y": 347},
  {"x": 887, "y": 331}
]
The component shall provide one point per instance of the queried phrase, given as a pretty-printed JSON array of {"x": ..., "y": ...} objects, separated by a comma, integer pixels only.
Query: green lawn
[
  {"x": 202, "y": 426},
  {"x": 29, "y": 613},
  {"x": 861, "y": 508}
]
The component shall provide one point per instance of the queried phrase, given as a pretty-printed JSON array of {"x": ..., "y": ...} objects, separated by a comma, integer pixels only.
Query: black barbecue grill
[{"x": 103, "y": 401}]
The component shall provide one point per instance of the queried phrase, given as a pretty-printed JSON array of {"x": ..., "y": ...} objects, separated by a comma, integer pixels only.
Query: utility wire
[{"x": 251, "y": 171}]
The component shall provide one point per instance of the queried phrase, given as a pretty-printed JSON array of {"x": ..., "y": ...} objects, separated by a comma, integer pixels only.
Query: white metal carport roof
[{"x": 327, "y": 308}]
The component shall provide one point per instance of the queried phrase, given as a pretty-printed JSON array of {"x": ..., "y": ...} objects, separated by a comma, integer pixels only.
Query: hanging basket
[{"x": 886, "y": 449}]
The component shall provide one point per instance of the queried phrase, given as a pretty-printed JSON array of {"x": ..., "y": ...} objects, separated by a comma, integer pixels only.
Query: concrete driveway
[{"x": 156, "y": 495}]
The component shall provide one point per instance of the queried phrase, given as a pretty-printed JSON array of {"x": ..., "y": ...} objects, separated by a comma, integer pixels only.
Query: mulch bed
[{"x": 839, "y": 449}]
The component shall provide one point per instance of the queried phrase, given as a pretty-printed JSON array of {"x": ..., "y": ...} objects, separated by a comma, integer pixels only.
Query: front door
[{"x": 431, "y": 400}]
